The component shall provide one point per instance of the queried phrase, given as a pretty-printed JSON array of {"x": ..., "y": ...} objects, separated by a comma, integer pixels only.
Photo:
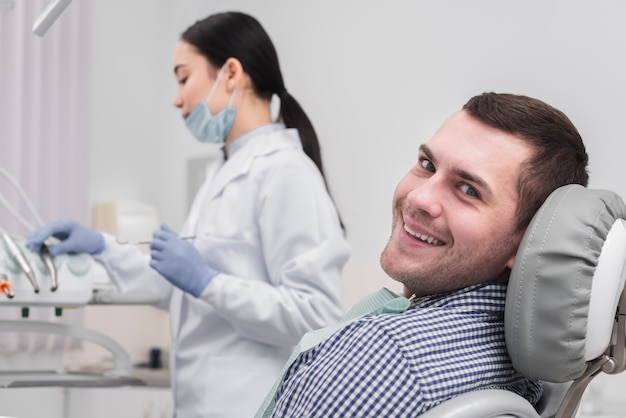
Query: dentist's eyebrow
[{"x": 465, "y": 175}]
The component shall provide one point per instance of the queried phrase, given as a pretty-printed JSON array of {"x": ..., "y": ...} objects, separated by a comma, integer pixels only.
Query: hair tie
[{"x": 283, "y": 93}]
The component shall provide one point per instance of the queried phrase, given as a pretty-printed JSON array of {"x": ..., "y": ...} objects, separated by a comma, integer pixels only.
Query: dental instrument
[
  {"x": 5, "y": 286},
  {"x": 20, "y": 258},
  {"x": 47, "y": 258},
  {"x": 147, "y": 241}
]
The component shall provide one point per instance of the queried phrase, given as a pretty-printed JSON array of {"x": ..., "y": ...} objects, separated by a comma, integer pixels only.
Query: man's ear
[
  {"x": 511, "y": 261},
  {"x": 233, "y": 73},
  {"x": 519, "y": 237}
]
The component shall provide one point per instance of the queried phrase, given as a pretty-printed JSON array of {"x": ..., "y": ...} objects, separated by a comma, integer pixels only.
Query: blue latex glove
[
  {"x": 74, "y": 237},
  {"x": 179, "y": 262}
]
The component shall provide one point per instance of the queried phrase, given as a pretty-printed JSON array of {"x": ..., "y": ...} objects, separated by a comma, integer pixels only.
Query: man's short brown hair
[{"x": 560, "y": 157}]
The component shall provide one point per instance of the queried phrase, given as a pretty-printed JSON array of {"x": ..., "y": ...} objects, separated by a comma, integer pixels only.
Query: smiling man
[
  {"x": 454, "y": 217},
  {"x": 458, "y": 217}
]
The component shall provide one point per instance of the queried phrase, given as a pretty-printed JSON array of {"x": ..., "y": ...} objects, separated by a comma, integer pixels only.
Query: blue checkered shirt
[{"x": 400, "y": 365}]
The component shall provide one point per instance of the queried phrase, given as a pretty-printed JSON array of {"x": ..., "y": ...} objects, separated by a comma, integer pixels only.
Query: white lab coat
[{"x": 265, "y": 220}]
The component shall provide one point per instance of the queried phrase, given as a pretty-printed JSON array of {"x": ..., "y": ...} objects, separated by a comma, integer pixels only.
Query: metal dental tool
[
  {"x": 52, "y": 269},
  {"x": 20, "y": 258},
  {"x": 147, "y": 241},
  {"x": 5, "y": 286}
]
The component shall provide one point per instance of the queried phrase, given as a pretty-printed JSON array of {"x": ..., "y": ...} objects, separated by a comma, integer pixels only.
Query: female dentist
[{"x": 269, "y": 248}]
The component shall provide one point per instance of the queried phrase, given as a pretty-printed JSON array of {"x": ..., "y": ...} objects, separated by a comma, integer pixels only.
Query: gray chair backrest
[
  {"x": 565, "y": 287},
  {"x": 550, "y": 288}
]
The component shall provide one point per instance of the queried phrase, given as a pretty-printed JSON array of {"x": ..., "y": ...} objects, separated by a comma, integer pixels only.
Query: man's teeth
[{"x": 422, "y": 237}]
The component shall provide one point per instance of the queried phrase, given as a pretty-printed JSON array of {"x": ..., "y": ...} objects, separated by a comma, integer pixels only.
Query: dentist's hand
[
  {"x": 74, "y": 237},
  {"x": 179, "y": 262}
]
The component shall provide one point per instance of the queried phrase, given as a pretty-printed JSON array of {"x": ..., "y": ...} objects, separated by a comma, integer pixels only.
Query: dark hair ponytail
[
  {"x": 293, "y": 116},
  {"x": 238, "y": 35}
]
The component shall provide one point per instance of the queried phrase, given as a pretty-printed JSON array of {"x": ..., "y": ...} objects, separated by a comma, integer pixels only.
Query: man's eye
[
  {"x": 426, "y": 164},
  {"x": 470, "y": 191}
]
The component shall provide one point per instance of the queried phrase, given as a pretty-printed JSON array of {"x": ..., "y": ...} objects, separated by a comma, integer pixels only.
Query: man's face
[{"x": 454, "y": 220}]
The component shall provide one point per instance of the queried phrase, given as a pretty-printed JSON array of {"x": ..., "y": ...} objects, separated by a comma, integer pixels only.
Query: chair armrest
[{"x": 488, "y": 403}]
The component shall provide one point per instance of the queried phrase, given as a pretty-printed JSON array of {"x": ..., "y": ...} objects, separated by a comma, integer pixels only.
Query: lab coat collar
[
  {"x": 238, "y": 143},
  {"x": 258, "y": 142}
]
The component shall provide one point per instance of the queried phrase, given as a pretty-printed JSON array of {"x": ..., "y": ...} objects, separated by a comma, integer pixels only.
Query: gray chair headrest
[{"x": 565, "y": 283}]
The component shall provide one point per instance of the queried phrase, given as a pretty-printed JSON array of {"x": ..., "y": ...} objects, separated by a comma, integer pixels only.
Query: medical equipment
[
  {"x": 36, "y": 279},
  {"x": 5, "y": 286},
  {"x": 146, "y": 241},
  {"x": 49, "y": 16},
  {"x": 19, "y": 257},
  {"x": 52, "y": 270}
]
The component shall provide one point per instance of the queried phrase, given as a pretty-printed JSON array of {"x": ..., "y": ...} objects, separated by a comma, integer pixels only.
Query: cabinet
[
  {"x": 126, "y": 402},
  {"x": 56, "y": 402},
  {"x": 33, "y": 402}
]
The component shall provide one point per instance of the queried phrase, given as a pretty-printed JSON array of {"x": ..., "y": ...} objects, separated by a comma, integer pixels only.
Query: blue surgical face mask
[{"x": 210, "y": 128}]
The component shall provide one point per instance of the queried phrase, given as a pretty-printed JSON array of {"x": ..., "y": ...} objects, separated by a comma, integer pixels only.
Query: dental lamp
[{"x": 49, "y": 16}]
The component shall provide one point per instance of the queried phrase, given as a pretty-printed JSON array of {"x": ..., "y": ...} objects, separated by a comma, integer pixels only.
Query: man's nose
[{"x": 427, "y": 197}]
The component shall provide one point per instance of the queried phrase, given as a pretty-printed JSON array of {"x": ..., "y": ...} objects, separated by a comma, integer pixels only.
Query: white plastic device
[{"x": 610, "y": 264}]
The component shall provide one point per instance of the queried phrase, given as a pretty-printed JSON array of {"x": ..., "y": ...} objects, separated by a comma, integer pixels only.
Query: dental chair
[{"x": 565, "y": 315}]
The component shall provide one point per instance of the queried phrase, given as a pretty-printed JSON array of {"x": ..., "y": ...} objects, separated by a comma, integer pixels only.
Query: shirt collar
[
  {"x": 494, "y": 293},
  {"x": 230, "y": 149}
]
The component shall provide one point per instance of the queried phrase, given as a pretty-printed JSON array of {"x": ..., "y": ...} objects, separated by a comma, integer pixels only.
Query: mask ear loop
[
  {"x": 232, "y": 96},
  {"x": 214, "y": 86}
]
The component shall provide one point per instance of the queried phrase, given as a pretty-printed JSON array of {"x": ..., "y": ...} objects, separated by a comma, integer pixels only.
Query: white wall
[{"x": 376, "y": 78}]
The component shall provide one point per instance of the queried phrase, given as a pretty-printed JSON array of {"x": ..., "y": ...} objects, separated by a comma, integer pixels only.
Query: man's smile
[{"x": 425, "y": 238}]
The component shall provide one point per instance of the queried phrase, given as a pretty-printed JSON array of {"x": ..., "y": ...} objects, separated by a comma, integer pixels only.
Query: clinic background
[{"x": 376, "y": 78}]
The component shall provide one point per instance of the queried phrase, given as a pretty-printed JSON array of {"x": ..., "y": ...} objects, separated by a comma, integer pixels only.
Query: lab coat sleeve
[
  {"x": 129, "y": 269},
  {"x": 304, "y": 250}
]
